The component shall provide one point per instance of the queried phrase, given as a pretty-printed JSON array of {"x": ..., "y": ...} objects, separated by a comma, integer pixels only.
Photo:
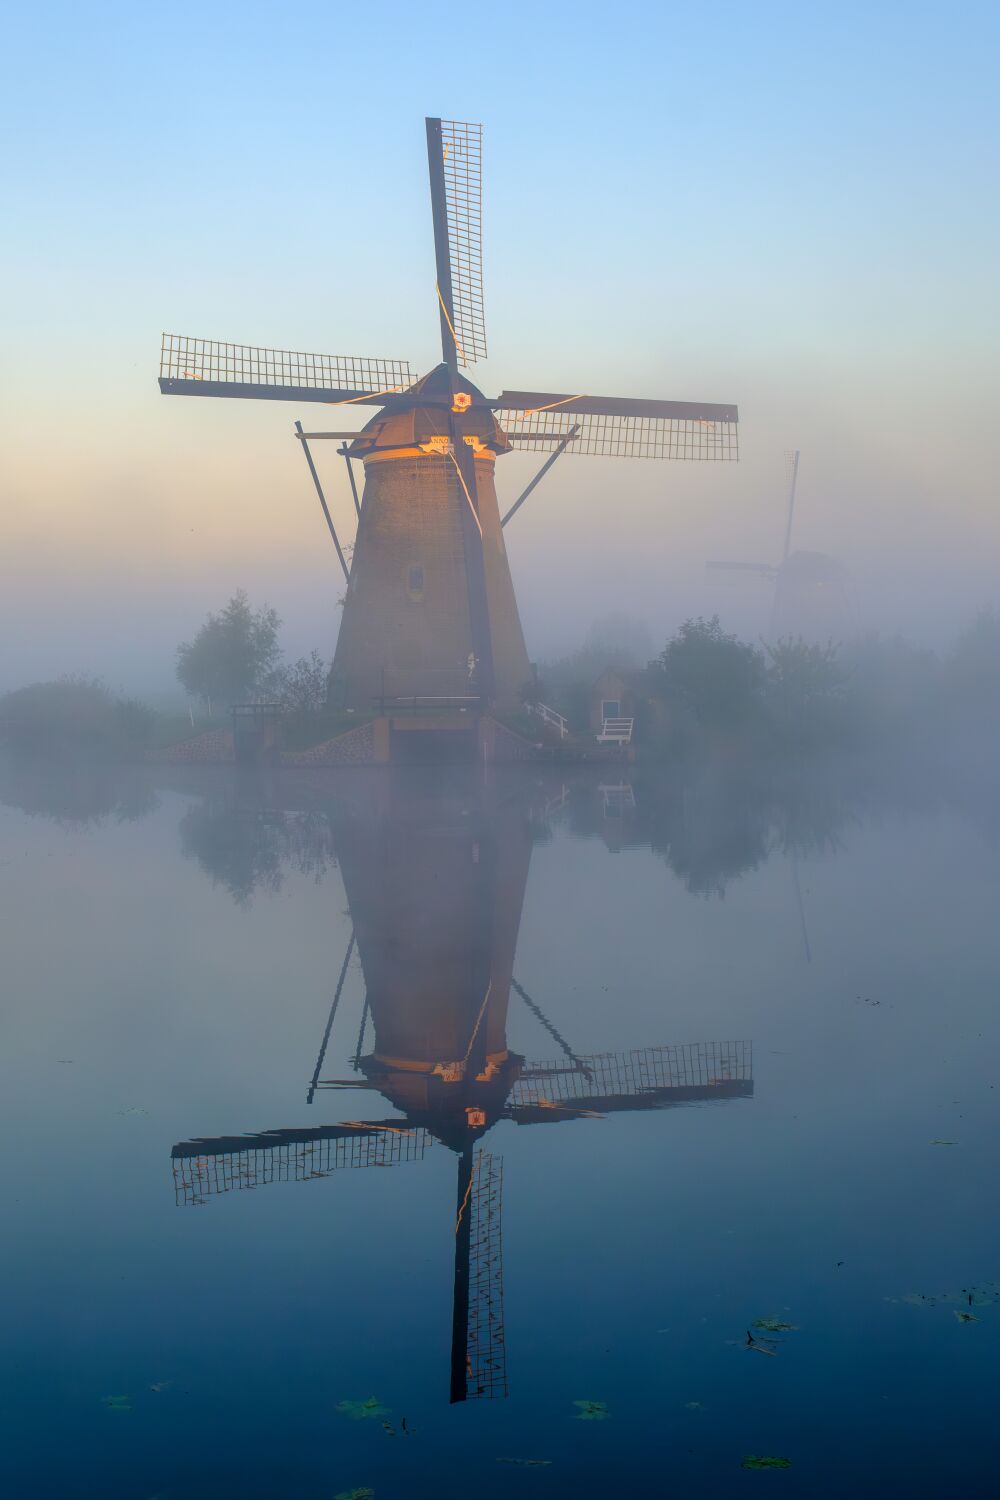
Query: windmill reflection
[{"x": 435, "y": 883}]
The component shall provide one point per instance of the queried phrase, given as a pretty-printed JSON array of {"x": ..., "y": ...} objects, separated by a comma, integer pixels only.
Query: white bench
[{"x": 616, "y": 732}]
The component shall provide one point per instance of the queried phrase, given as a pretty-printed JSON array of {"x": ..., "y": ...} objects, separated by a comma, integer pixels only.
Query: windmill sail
[
  {"x": 648, "y": 1078},
  {"x": 478, "y": 1347},
  {"x": 455, "y": 159},
  {"x": 618, "y": 427},
  {"x": 207, "y": 367},
  {"x": 206, "y": 1167}
]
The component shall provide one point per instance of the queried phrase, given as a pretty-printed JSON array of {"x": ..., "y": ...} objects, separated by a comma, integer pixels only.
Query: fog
[{"x": 792, "y": 220}]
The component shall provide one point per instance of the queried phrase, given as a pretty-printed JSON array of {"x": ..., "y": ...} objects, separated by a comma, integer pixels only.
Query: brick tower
[{"x": 430, "y": 611}]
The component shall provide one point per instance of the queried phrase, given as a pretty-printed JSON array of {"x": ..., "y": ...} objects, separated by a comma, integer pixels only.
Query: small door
[{"x": 611, "y": 708}]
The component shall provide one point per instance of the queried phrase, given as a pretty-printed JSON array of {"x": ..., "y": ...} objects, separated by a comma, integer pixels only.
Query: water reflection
[
  {"x": 435, "y": 875},
  {"x": 76, "y": 794}
]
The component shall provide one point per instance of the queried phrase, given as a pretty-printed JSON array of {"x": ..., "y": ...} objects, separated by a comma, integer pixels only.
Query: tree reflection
[{"x": 76, "y": 794}]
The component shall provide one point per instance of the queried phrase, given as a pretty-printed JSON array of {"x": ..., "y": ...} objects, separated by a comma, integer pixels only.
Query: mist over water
[
  {"x": 621, "y": 1119},
  {"x": 731, "y": 1033}
]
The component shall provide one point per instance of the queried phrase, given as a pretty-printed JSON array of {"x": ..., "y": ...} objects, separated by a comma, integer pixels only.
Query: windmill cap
[{"x": 411, "y": 420}]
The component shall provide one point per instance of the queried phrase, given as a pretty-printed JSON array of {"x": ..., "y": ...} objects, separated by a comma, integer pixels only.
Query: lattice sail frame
[
  {"x": 462, "y": 143},
  {"x": 185, "y": 358},
  {"x": 199, "y": 1177},
  {"x": 648, "y": 1070},
  {"x": 606, "y": 436},
  {"x": 486, "y": 1348}
]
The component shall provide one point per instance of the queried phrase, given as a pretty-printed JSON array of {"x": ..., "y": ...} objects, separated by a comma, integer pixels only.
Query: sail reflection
[{"x": 435, "y": 878}]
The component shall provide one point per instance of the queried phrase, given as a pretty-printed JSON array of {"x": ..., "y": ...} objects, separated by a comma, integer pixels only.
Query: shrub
[{"x": 73, "y": 715}]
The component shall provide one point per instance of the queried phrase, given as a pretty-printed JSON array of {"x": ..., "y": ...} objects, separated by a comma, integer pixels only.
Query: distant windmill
[
  {"x": 430, "y": 613},
  {"x": 809, "y": 588}
]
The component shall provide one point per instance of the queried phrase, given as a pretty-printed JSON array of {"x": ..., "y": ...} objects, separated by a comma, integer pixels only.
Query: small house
[{"x": 613, "y": 696}]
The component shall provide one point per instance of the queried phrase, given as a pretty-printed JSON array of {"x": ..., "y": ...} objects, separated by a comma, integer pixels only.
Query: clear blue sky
[{"x": 791, "y": 207}]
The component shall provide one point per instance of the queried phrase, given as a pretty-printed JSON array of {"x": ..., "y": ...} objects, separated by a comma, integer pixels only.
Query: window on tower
[{"x": 415, "y": 581}]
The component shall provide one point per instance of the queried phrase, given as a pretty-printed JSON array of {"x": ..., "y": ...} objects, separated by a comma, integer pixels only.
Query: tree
[
  {"x": 233, "y": 654},
  {"x": 973, "y": 668},
  {"x": 804, "y": 683},
  {"x": 715, "y": 676},
  {"x": 302, "y": 687}
]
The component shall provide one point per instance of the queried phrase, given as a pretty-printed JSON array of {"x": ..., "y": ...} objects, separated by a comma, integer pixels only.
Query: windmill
[
  {"x": 809, "y": 588},
  {"x": 430, "y": 616},
  {"x": 435, "y": 891}
]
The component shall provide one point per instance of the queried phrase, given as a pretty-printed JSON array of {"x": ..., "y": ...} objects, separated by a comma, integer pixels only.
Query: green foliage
[
  {"x": 713, "y": 677},
  {"x": 892, "y": 689},
  {"x": 592, "y": 1411},
  {"x": 74, "y": 715},
  {"x": 233, "y": 655},
  {"x": 360, "y": 1411},
  {"x": 302, "y": 687},
  {"x": 804, "y": 687},
  {"x": 973, "y": 669}
]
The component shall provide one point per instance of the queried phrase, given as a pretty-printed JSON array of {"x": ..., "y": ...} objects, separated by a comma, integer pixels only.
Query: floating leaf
[
  {"x": 364, "y": 1493},
  {"x": 765, "y": 1461},
  {"x": 527, "y": 1463},
  {"x": 693, "y": 1406},
  {"x": 775, "y": 1325},
  {"x": 592, "y": 1411},
  {"x": 117, "y": 1403},
  {"x": 358, "y": 1411},
  {"x": 965, "y": 1317},
  {"x": 944, "y": 1143},
  {"x": 161, "y": 1385}
]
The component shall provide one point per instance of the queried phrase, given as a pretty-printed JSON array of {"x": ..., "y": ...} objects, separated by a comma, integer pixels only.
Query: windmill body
[
  {"x": 430, "y": 621},
  {"x": 810, "y": 595},
  {"x": 430, "y": 611}
]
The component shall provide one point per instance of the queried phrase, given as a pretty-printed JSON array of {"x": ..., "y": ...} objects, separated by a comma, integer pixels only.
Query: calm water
[{"x": 628, "y": 1068}]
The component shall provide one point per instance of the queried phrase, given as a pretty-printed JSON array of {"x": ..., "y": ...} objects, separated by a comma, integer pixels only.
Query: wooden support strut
[
  {"x": 345, "y": 454},
  {"x": 546, "y": 466},
  {"x": 330, "y": 1020},
  {"x": 322, "y": 500}
]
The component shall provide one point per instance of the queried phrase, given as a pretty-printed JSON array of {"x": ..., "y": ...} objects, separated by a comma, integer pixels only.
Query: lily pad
[
  {"x": 359, "y": 1411},
  {"x": 592, "y": 1411},
  {"x": 765, "y": 1461},
  {"x": 775, "y": 1325},
  {"x": 364, "y": 1493}
]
